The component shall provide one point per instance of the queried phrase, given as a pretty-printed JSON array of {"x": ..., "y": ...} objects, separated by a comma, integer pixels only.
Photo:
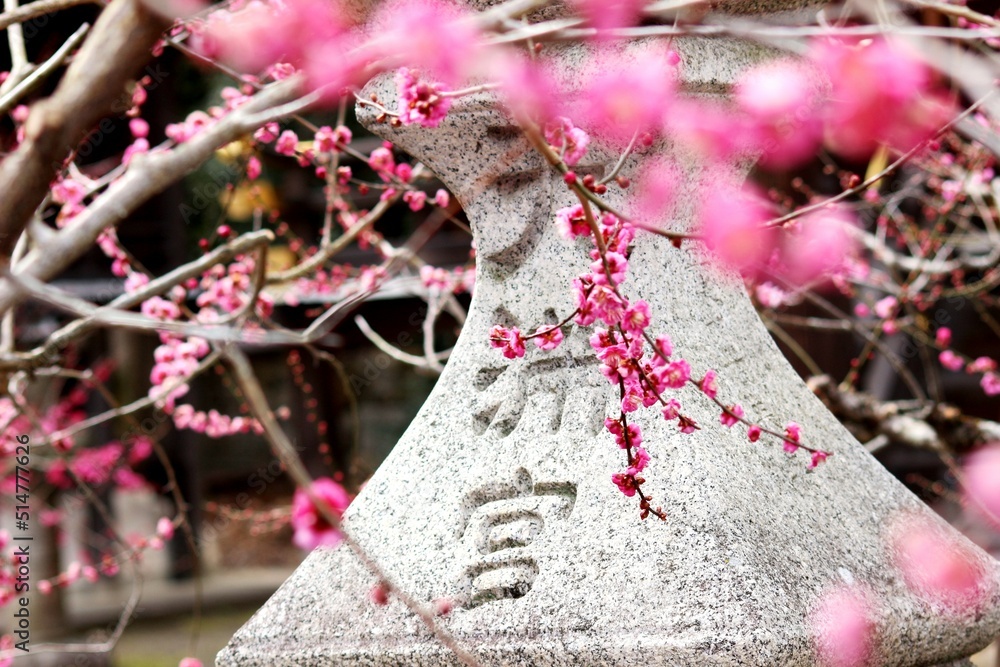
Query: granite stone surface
[{"x": 499, "y": 495}]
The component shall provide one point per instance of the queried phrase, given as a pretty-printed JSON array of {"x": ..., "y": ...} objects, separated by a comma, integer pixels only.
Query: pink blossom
[
  {"x": 981, "y": 365},
  {"x": 139, "y": 128},
  {"x": 793, "y": 432},
  {"x": 379, "y": 594},
  {"x": 885, "y": 308},
  {"x": 431, "y": 35},
  {"x": 753, "y": 433},
  {"x": 311, "y": 528},
  {"x": 606, "y": 305},
  {"x": 415, "y": 199},
  {"x": 982, "y": 482},
  {"x": 253, "y": 168},
  {"x": 842, "y": 628},
  {"x": 328, "y": 141},
  {"x": 780, "y": 100},
  {"x": 990, "y": 382},
  {"x": 613, "y": 263},
  {"x": 950, "y": 360},
  {"x": 664, "y": 346},
  {"x": 267, "y": 133},
  {"x": 404, "y": 172},
  {"x": 189, "y": 662},
  {"x": 195, "y": 122},
  {"x": 566, "y": 139},
  {"x": 640, "y": 457},
  {"x": 943, "y": 336},
  {"x": 625, "y": 483},
  {"x": 937, "y": 566},
  {"x": 287, "y": 143},
  {"x": 137, "y": 147},
  {"x": 609, "y": 14},
  {"x": 731, "y": 415},
  {"x": 626, "y": 94},
  {"x": 708, "y": 129},
  {"x": 636, "y": 318},
  {"x": 571, "y": 222},
  {"x": 732, "y": 222},
  {"x": 548, "y": 337},
  {"x": 818, "y": 245},
  {"x": 298, "y": 32},
  {"x": 817, "y": 458},
  {"x": 898, "y": 107},
  {"x": 686, "y": 424},
  {"x": 709, "y": 384},
  {"x": 676, "y": 373},
  {"x": 528, "y": 87},
  {"x": 165, "y": 528},
  {"x": 442, "y": 198},
  {"x": 655, "y": 191},
  {"x": 383, "y": 162},
  {"x": 420, "y": 102},
  {"x": 770, "y": 295},
  {"x": 509, "y": 341},
  {"x": 672, "y": 409}
]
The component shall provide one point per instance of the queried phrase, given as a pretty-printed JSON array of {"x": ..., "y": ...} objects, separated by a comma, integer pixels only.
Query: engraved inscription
[
  {"x": 504, "y": 391},
  {"x": 501, "y": 521}
]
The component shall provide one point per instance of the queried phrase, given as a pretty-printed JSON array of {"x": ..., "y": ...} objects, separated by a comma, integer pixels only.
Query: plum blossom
[
  {"x": 792, "y": 437},
  {"x": 732, "y": 222},
  {"x": 640, "y": 458},
  {"x": 412, "y": 34},
  {"x": 625, "y": 482},
  {"x": 627, "y": 93},
  {"x": 780, "y": 98},
  {"x": 548, "y": 337},
  {"x": 676, "y": 373},
  {"x": 951, "y": 361},
  {"x": 982, "y": 472},
  {"x": 509, "y": 341},
  {"x": 885, "y": 308},
  {"x": 818, "y": 245},
  {"x": 165, "y": 528},
  {"x": 330, "y": 140},
  {"x": 571, "y": 222},
  {"x": 753, "y": 432},
  {"x": 990, "y": 382},
  {"x": 898, "y": 107},
  {"x": 609, "y": 14},
  {"x": 286, "y": 143},
  {"x": 564, "y": 137},
  {"x": 311, "y": 528},
  {"x": 942, "y": 336},
  {"x": 709, "y": 384},
  {"x": 937, "y": 566},
  {"x": 981, "y": 365},
  {"x": 655, "y": 191},
  {"x": 842, "y": 628},
  {"x": 671, "y": 409},
  {"x": 420, "y": 102},
  {"x": 731, "y": 415}
]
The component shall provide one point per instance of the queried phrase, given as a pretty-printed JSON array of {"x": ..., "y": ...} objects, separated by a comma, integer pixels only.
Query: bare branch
[
  {"x": 147, "y": 175},
  {"x": 88, "y": 91}
]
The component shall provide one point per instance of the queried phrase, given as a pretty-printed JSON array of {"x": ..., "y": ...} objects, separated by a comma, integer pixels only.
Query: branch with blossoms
[{"x": 881, "y": 149}]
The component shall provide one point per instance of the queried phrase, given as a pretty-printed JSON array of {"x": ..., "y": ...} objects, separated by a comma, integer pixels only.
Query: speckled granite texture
[{"x": 499, "y": 494}]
